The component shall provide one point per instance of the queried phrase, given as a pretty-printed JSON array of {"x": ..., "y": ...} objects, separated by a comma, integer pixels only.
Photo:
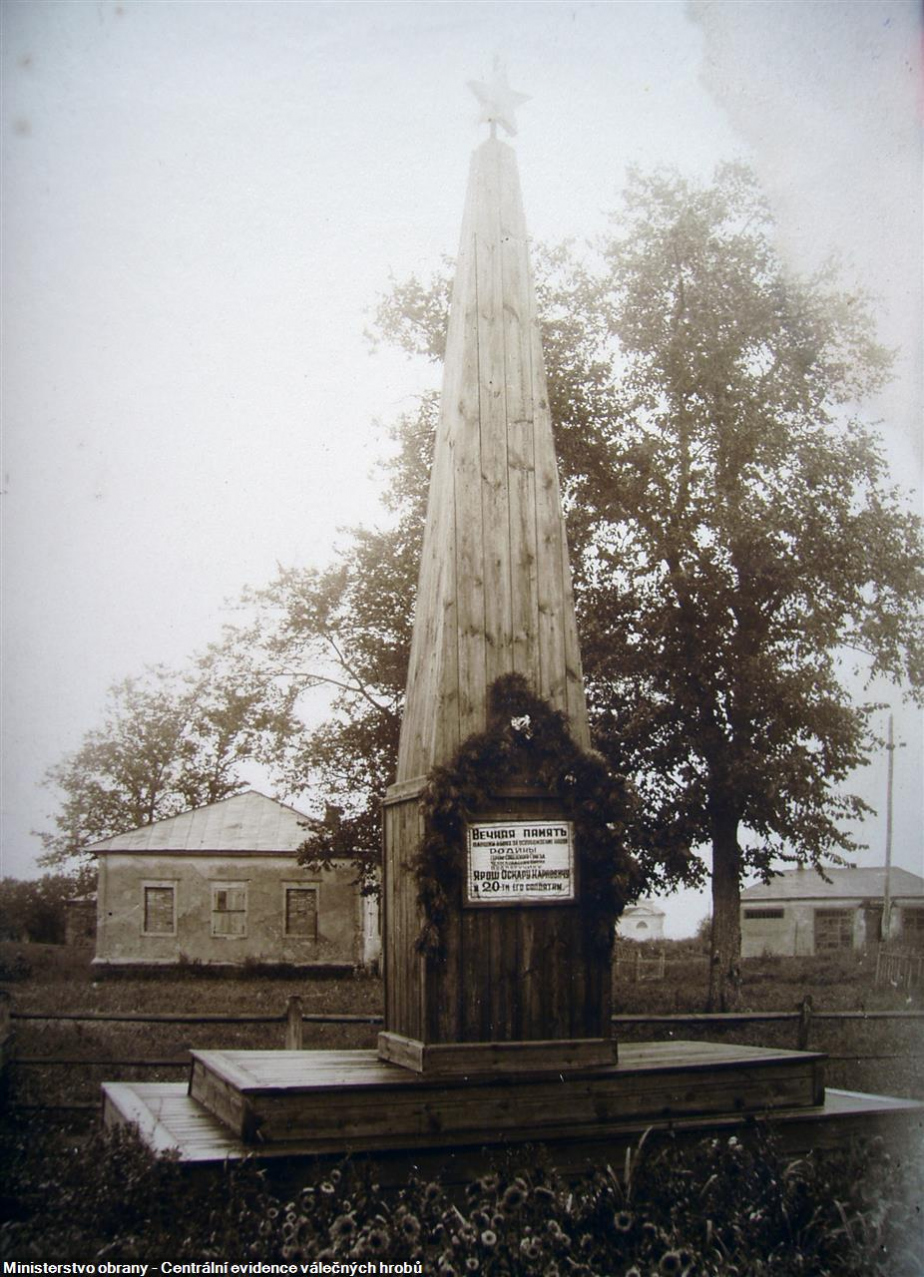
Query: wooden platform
[
  {"x": 354, "y": 1099},
  {"x": 293, "y": 1106},
  {"x": 168, "y": 1119},
  {"x": 470, "y": 1059}
]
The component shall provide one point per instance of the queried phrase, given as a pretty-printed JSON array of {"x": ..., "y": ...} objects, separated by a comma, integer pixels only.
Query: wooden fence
[
  {"x": 638, "y": 966},
  {"x": 293, "y": 1020},
  {"x": 901, "y": 968}
]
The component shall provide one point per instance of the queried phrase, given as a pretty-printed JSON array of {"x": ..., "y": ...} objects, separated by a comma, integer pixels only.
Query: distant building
[
  {"x": 221, "y": 886},
  {"x": 798, "y": 913},
  {"x": 642, "y": 921}
]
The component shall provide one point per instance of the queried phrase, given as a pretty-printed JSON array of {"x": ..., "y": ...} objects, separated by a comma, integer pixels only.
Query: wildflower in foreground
[
  {"x": 515, "y": 1196},
  {"x": 409, "y": 1228},
  {"x": 376, "y": 1241},
  {"x": 343, "y": 1228},
  {"x": 622, "y": 1221},
  {"x": 670, "y": 1262}
]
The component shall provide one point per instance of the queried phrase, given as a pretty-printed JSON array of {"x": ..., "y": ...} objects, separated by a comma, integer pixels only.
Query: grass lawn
[
  {"x": 70, "y": 1192},
  {"x": 61, "y": 980}
]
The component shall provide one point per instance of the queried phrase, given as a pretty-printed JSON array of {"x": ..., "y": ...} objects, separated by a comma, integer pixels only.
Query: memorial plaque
[{"x": 520, "y": 862}]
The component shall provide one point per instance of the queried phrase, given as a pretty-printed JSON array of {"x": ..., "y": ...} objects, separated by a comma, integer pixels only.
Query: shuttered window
[
  {"x": 833, "y": 929},
  {"x": 229, "y": 909},
  {"x": 302, "y": 912},
  {"x": 159, "y": 910},
  {"x": 913, "y": 927}
]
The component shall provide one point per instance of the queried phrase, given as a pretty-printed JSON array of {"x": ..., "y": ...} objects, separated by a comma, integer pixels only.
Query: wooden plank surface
[
  {"x": 182, "y": 1125},
  {"x": 337, "y": 1094},
  {"x": 494, "y": 596},
  {"x": 494, "y": 591},
  {"x": 321, "y": 1069},
  {"x": 457, "y": 1059}
]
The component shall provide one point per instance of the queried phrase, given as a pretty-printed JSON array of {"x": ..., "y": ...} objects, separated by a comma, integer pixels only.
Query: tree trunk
[{"x": 725, "y": 955}]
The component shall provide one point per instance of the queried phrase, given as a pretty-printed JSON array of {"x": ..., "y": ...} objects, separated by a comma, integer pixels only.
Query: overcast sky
[{"x": 201, "y": 203}]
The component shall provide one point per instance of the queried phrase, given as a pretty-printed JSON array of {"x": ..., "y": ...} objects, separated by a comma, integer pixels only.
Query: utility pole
[{"x": 887, "y": 886}]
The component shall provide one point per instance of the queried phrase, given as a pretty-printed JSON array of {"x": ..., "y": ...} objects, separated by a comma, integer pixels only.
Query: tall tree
[
  {"x": 734, "y": 531},
  {"x": 170, "y": 742},
  {"x": 746, "y": 537},
  {"x": 343, "y": 635}
]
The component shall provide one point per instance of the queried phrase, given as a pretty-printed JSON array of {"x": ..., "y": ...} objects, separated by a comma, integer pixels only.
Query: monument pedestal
[
  {"x": 329, "y": 1097},
  {"x": 498, "y": 1059},
  {"x": 304, "y": 1105},
  {"x": 518, "y": 985}
]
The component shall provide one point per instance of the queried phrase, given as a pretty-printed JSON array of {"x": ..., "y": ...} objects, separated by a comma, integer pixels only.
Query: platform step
[
  {"x": 169, "y": 1119},
  {"x": 334, "y": 1098}
]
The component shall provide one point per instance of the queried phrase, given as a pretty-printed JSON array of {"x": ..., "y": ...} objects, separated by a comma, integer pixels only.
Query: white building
[
  {"x": 222, "y": 886},
  {"x": 642, "y": 921},
  {"x": 798, "y": 913}
]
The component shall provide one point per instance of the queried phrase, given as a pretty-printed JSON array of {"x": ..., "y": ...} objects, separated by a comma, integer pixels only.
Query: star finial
[{"x": 498, "y": 100}]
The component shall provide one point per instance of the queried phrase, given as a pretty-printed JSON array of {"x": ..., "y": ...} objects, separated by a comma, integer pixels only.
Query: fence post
[
  {"x": 638, "y": 965},
  {"x": 805, "y": 1023},
  {"x": 294, "y": 1023}
]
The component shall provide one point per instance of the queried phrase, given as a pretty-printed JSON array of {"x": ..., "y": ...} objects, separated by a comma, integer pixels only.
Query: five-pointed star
[{"x": 498, "y": 100}]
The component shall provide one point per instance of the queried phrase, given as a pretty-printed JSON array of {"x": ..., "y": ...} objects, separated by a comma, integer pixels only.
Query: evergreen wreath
[{"x": 527, "y": 741}]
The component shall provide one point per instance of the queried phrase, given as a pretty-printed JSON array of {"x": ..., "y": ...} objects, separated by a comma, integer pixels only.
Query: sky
[{"x": 201, "y": 203}]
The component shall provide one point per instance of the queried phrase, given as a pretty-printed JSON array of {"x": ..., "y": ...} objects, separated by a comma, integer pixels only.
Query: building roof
[
  {"x": 244, "y": 822},
  {"x": 844, "y": 884},
  {"x": 645, "y": 908}
]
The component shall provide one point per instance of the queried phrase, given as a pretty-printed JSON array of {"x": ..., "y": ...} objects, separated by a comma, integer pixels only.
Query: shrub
[{"x": 721, "y": 1208}]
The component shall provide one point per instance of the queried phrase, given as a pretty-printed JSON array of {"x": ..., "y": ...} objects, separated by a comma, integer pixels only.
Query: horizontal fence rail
[
  {"x": 692, "y": 1017},
  {"x": 749, "y": 1017},
  {"x": 294, "y": 1018},
  {"x": 810, "y": 1029},
  {"x": 113, "y": 1017}
]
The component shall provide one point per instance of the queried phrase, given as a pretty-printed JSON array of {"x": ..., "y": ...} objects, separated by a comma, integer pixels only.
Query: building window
[
  {"x": 229, "y": 909},
  {"x": 833, "y": 929},
  {"x": 763, "y": 914},
  {"x": 301, "y": 910},
  {"x": 159, "y": 904},
  {"x": 913, "y": 927}
]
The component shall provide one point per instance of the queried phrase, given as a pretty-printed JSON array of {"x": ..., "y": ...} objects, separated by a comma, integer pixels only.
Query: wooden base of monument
[
  {"x": 354, "y": 1098},
  {"x": 299, "y": 1105},
  {"x": 498, "y": 1059},
  {"x": 170, "y": 1121}
]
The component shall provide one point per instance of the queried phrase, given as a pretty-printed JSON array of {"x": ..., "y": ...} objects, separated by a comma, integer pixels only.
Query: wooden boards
[
  {"x": 474, "y": 1059},
  {"x": 494, "y": 598},
  {"x": 494, "y": 593},
  {"x": 168, "y": 1118},
  {"x": 332, "y": 1097},
  {"x": 518, "y": 974}
]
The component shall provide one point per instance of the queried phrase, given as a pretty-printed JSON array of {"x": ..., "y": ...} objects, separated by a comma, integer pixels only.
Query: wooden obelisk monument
[
  {"x": 517, "y": 984},
  {"x": 499, "y": 1032}
]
